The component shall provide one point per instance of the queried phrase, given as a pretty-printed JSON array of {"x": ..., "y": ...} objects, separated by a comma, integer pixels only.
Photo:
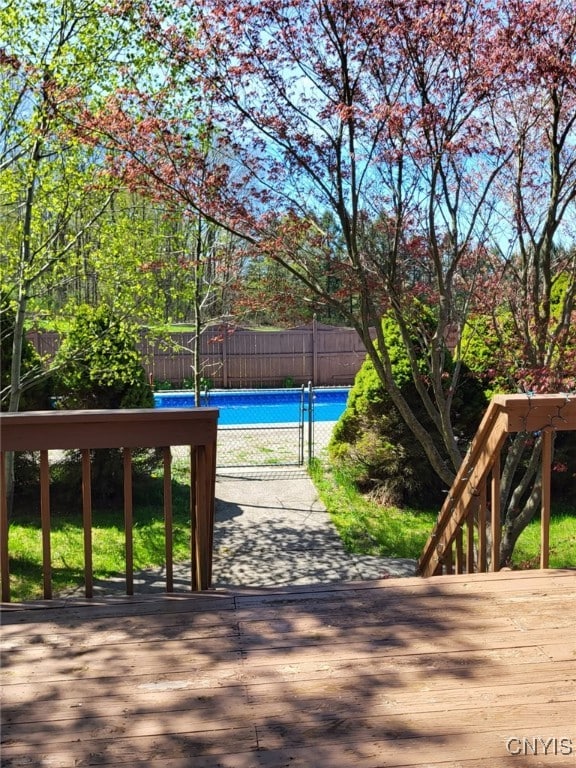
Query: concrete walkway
[
  {"x": 271, "y": 531},
  {"x": 274, "y": 531}
]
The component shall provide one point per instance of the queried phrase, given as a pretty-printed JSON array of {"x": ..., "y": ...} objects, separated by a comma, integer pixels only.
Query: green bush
[
  {"x": 481, "y": 350},
  {"x": 372, "y": 442},
  {"x": 99, "y": 364}
]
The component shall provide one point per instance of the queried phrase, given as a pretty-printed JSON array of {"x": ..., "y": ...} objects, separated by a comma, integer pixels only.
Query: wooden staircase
[{"x": 459, "y": 541}]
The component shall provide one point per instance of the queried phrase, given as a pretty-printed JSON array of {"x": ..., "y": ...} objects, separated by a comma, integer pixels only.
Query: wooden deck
[{"x": 456, "y": 671}]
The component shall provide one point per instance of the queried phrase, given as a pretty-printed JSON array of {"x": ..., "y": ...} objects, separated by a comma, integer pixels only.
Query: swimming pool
[{"x": 263, "y": 406}]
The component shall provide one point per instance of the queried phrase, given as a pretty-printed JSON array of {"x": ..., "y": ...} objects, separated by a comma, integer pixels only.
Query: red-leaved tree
[{"x": 384, "y": 154}]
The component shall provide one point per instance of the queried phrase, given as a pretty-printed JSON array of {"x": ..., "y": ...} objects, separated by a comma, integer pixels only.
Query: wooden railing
[
  {"x": 126, "y": 429},
  {"x": 459, "y": 541}
]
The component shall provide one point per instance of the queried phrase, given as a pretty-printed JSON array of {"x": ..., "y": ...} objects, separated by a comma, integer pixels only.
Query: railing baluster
[
  {"x": 482, "y": 528},
  {"x": 449, "y": 561},
  {"x": 128, "y": 520},
  {"x": 470, "y": 541},
  {"x": 495, "y": 522},
  {"x": 459, "y": 551},
  {"x": 547, "y": 445},
  {"x": 45, "y": 522},
  {"x": 202, "y": 517},
  {"x": 4, "y": 556},
  {"x": 210, "y": 500},
  {"x": 87, "y": 523},
  {"x": 168, "y": 519}
]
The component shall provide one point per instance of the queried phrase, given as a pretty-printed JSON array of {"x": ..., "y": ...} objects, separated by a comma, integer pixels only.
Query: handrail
[
  {"x": 471, "y": 496},
  {"x": 126, "y": 429}
]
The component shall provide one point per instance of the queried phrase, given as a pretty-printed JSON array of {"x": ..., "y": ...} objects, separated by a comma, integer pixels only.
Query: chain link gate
[
  {"x": 281, "y": 444},
  {"x": 263, "y": 429}
]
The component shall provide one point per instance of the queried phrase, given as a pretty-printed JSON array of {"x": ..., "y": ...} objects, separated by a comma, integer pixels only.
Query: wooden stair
[{"x": 458, "y": 542}]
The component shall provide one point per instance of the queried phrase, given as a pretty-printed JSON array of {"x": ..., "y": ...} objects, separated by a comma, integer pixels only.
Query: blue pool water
[{"x": 262, "y": 406}]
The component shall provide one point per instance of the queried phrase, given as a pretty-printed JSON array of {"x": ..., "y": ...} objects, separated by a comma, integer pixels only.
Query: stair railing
[{"x": 459, "y": 542}]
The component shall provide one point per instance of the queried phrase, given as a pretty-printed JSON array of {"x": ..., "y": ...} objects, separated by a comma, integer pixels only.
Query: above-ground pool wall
[
  {"x": 268, "y": 428},
  {"x": 263, "y": 406}
]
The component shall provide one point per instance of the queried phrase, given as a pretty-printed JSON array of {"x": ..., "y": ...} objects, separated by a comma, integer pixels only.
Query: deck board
[{"x": 405, "y": 672}]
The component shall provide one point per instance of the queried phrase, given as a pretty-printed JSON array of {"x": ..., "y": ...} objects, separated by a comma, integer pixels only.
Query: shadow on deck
[{"x": 473, "y": 672}]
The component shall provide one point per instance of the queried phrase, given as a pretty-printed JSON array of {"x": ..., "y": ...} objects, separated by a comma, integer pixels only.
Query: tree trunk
[
  {"x": 198, "y": 314},
  {"x": 515, "y": 524}
]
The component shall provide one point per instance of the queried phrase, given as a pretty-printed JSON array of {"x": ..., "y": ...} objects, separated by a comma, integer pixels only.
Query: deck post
[
  {"x": 45, "y": 520},
  {"x": 87, "y": 522},
  {"x": 4, "y": 560}
]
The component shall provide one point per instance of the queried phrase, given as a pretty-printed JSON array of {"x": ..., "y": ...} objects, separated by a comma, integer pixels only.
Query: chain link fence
[
  {"x": 266, "y": 429},
  {"x": 260, "y": 446}
]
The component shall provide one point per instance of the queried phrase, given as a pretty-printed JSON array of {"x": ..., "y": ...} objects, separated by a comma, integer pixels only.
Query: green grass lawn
[
  {"x": 562, "y": 541},
  {"x": 365, "y": 527},
  {"x": 108, "y": 548},
  {"x": 108, "y": 540},
  {"x": 370, "y": 529}
]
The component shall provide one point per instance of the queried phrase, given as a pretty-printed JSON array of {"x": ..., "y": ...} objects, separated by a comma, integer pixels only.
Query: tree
[
  {"x": 269, "y": 295},
  {"x": 302, "y": 96},
  {"x": 161, "y": 149},
  {"x": 37, "y": 396},
  {"x": 53, "y": 59},
  {"x": 417, "y": 122},
  {"x": 50, "y": 61},
  {"x": 533, "y": 280},
  {"x": 115, "y": 263}
]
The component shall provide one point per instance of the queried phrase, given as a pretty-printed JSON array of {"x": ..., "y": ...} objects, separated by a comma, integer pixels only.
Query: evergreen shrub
[
  {"x": 99, "y": 366},
  {"x": 372, "y": 442}
]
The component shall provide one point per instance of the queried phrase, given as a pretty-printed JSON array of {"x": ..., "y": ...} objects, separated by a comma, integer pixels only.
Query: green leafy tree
[
  {"x": 36, "y": 386},
  {"x": 55, "y": 59},
  {"x": 109, "y": 265}
]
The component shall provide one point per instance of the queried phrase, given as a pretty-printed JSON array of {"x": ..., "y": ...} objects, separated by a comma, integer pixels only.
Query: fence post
[
  {"x": 314, "y": 351},
  {"x": 310, "y": 422},
  {"x": 225, "y": 357}
]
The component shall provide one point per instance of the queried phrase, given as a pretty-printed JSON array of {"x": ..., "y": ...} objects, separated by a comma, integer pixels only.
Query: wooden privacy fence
[
  {"x": 460, "y": 542},
  {"x": 242, "y": 358},
  {"x": 127, "y": 429}
]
